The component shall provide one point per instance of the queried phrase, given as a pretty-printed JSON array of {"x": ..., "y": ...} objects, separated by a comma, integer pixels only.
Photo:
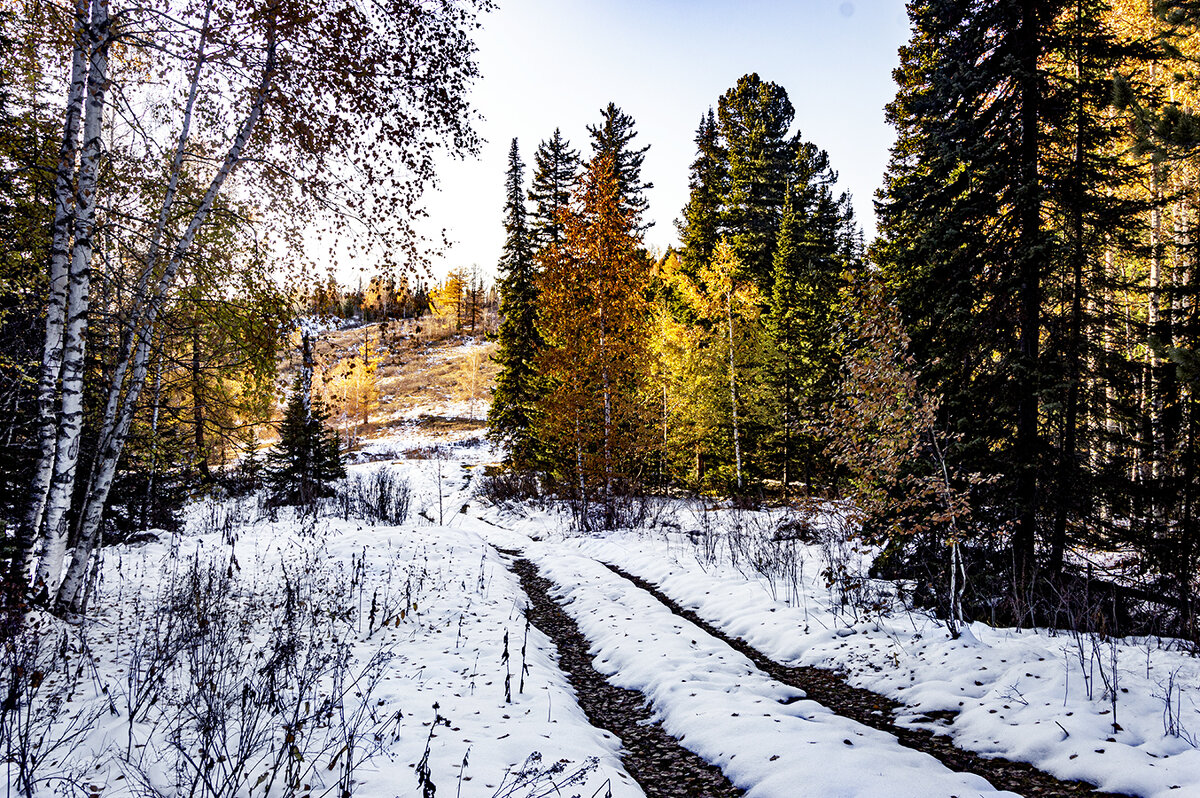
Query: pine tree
[
  {"x": 306, "y": 460},
  {"x": 557, "y": 170},
  {"x": 514, "y": 400},
  {"x": 700, "y": 227},
  {"x": 754, "y": 117},
  {"x": 612, "y": 139}
]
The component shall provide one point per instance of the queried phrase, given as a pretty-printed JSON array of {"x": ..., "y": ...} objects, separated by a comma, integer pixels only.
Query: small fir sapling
[{"x": 307, "y": 461}]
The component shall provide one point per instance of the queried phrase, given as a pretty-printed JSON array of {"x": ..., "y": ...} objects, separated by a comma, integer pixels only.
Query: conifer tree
[
  {"x": 449, "y": 299},
  {"x": 550, "y": 192},
  {"x": 1002, "y": 199},
  {"x": 811, "y": 257},
  {"x": 754, "y": 118},
  {"x": 514, "y": 400},
  {"x": 306, "y": 460},
  {"x": 593, "y": 316},
  {"x": 612, "y": 139},
  {"x": 700, "y": 227}
]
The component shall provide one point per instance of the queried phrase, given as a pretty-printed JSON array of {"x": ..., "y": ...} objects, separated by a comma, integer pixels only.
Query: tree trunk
[
  {"x": 52, "y": 351},
  {"x": 1152, "y": 408},
  {"x": 1026, "y": 383},
  {"x": 198, "y": 407},
  {"x": 1073, "y": 355},
  {"x": 70, "y": 421},
  {"x": 733, "y": 400},
  {"x": 115, "y": 426},
  {"x": 153, "y": 475},
  {"x": 608, "y": 425}
]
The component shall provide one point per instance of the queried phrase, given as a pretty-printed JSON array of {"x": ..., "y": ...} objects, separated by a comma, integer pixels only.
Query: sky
[{"x": 556, "y": 63}]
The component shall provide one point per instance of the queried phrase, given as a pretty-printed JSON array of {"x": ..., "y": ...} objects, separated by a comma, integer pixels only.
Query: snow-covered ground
[{"x": 353, "y": 633}]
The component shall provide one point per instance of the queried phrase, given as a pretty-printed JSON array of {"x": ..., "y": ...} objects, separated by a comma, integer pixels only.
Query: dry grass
[{"x": 420, "y": 369}]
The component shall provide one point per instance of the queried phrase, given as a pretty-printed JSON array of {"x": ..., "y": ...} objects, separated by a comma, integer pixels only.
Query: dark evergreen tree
[
  {"x": 557, "y": 170},
  {"x": 700, "y": 227},
  {"x": 613, "y": 138},
  {"x": 963, "y": 243},
  {"x": 514, "y": 400},
  {"x": 1001, "y": 200},
  {"x": 306, "y": 460},
  {"x": 754, "y": 117},
  {"x": 812, "y": 254}
]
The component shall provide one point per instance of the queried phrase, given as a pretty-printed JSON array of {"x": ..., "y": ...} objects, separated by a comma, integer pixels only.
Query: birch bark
[
  {"x": 115, "y": 427},
  {"x": 52, "y": 352},
  {"x": 70, "y": 417}
]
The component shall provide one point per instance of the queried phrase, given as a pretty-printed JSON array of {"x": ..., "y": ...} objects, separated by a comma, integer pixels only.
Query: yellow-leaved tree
[
  {"x": 351, "y": 389},
  {"x": 450, "y": 299}
]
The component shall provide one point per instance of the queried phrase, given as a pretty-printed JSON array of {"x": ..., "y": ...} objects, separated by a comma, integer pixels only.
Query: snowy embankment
[
  {"x": 306, "y": 655},
  {"x": 1023, "y": 695}
]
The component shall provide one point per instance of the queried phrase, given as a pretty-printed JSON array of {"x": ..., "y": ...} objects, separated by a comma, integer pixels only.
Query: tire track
[
  {"x": 661, "y": 766},
  {"x": 831, "y": 690}
]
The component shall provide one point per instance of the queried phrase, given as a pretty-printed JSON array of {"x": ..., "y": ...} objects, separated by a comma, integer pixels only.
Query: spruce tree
[
  {"x": 612, "y": 139},
  {"x": 550, "y": 192},
  {"x": 1002, "y": 197},
  {"x": 811, "y": 256},
  {"x": 306, "y": 460},
  {"x": 754, "y": 117},
  {"x": 700, "y": 227},
  {"x": 514, "y": 400}
]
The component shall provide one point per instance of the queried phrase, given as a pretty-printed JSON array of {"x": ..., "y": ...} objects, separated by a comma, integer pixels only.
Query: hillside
[{"x": 426, "y": 377}]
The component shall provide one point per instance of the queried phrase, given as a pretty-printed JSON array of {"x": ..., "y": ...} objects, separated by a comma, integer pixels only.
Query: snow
[
  {"x": 1020, "y": 695},
  {"x": 421, "y": 611},
  {"x": 723, "y": 708}
]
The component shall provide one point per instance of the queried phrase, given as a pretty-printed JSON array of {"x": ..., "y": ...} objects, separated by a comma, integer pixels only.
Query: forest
[
  {"x": 1002, "y": 383},
  {"x": 993, "y": 405},
  {"x": 1003, "y": 379}
]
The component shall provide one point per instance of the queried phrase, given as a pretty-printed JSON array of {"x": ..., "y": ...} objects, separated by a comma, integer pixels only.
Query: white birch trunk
[
  {"x": 141, "y": 292},
  {"x": 52, "y": 351},
  {"x": 306, "y": 372},
  {"x": 115, "y": 428},
  {"x": 70, "y": 420}
]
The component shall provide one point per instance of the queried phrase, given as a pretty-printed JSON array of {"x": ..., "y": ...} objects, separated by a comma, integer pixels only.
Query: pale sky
[{"x": 556, "y": 63}]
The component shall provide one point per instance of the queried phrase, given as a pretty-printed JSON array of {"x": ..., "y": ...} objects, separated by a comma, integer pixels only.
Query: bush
[
  {"x": 380, "y": 496},
  {"x": 508, "y": 487}
]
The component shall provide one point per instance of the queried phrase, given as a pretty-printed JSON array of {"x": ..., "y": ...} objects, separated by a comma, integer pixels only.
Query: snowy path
[
  {"x": 661, "y": 765},
  {"x": 764, "y": 735},
  {"x": 877, "y": 711}
]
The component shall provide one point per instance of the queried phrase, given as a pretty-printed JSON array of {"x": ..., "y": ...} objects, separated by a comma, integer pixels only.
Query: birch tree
[{"x": 332, "y": 103}]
